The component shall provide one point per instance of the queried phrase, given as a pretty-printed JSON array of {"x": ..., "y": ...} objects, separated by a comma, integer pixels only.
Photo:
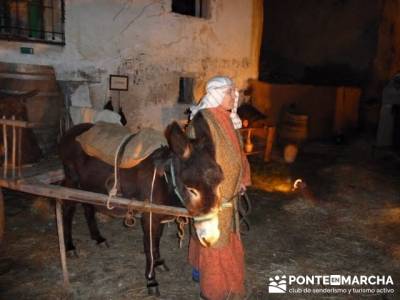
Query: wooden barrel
[
  {"x": 45, "y": 107},
  {"x": 294, "y": 128}
]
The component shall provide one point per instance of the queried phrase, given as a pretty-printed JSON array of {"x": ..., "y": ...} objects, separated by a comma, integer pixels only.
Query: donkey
[{"x": 196, "y": 182}]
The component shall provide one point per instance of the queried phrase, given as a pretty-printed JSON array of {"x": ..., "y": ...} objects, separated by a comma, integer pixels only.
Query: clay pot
[{"x": 248, "y": 147}]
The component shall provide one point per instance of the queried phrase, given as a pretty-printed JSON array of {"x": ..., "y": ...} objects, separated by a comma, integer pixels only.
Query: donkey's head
[{"x": 198, "y": 177}]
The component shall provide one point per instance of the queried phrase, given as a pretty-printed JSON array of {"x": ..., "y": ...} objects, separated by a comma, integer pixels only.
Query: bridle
[
  {"x": 172, "y": 184},
  {"x": 172, "y": 181}
]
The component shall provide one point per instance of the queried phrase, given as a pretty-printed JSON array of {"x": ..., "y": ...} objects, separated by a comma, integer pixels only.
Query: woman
[{"x": 221, "y": 267}]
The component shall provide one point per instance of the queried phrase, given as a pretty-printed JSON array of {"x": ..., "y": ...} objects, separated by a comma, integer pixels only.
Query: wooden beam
[
  {"x": 55, "y": 191},
  {"x": 46, "y": 177},
  {"x": 18, "y": 123},
  {"x": 270, "y": 141},
  {"x": 60, "y": 231}
]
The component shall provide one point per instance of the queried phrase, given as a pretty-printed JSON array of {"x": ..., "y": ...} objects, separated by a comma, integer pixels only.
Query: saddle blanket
[{"x": 103, "y": 139}]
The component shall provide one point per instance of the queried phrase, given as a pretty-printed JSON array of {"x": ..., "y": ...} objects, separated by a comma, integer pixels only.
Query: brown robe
[{"x": 222, "y": 266}]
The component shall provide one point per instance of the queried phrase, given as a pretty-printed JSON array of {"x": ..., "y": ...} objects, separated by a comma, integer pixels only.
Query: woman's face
[{"x": 229, "y": 99}]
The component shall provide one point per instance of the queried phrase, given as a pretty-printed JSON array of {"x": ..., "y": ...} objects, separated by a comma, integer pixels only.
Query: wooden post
[
  {"x": 14, "y": 148},
  {"x": 19, "y": 151},
  {"x": 2, "y": 216},
  {"x": 270, "y": 141},
  {"x": 5, "y": 143},
  {"x": 60, "y": 230}
]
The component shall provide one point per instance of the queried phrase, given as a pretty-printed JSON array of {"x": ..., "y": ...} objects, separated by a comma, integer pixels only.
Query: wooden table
[{"x": 266, "y": 135}]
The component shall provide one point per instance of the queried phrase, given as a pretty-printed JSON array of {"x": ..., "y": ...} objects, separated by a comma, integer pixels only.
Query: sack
[{"x": 103, "y": 139}]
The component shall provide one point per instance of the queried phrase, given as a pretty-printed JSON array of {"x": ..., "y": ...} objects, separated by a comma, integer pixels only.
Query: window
[
  {"x": 195, "y": 8},
  {"x": 32, "y": 20},
  {"x": 186, "y": 90}
]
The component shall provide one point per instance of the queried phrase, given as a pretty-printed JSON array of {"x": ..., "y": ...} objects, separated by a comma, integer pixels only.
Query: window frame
[
  {"x": 186, "y": 89},
  {"x": 201, "y": 9},
  {"x": 12, "y": 36}
]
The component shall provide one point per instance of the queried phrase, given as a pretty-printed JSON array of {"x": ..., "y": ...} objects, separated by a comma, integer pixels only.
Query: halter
[
  {"x": 201, "y": 218},
  {"x": 206, "y": 217}
]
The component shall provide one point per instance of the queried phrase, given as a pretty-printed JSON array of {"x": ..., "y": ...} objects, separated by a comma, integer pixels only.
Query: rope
[
  {"x": 151, "y": 221},
  {"x": 182, "y": 221},
  {"x": 114, "y": 190}
]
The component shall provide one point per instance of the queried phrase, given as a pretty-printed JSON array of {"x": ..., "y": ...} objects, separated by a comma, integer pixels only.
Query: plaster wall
[{"x": 154, "y": 47}]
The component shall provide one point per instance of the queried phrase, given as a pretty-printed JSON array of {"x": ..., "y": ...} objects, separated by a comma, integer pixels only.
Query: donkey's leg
[
  {"x": 68, "y": 207},
  {"x": 151, "y": 241},
  {"x": 68, "y": 215},
  {"x": 160, "y": 263},
  {"x": 92, "y": 224}
]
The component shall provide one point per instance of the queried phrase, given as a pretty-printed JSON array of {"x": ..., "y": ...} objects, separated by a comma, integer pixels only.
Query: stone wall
[{"x": 154, "y": 47}]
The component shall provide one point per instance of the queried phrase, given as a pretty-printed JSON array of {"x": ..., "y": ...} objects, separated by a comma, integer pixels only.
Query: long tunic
[{"x": 222, "y": 265}]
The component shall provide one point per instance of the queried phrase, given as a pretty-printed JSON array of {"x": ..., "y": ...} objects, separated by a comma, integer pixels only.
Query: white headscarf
[{"x": 215, "y": 91}]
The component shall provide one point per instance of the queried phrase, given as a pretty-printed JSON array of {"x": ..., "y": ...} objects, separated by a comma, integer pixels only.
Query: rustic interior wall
[
  {"x": 154, "y": 47},
  {"x": 330, "y": 42},
  {"x": 387, "y": 60},
  {"x": 331, "y": 111}
]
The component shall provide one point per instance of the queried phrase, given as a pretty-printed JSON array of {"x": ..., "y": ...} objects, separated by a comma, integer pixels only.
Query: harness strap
[
  {"x": 151, "y": 225},
  {"x": 206, "y": 217},
  {"x": 174, "y": 186},
  {"x": 225, "y": 203},
  {"x": 114, "y": 190}
]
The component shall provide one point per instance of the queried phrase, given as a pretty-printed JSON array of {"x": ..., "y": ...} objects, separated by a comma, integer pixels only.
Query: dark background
[{"x": 320, "y": 42}]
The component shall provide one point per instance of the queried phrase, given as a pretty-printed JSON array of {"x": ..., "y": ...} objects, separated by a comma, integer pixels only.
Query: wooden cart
[{"x": 39, "y": 179}]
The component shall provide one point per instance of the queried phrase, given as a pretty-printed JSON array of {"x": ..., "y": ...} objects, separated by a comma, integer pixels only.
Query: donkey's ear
[
  {"x": 203, "y": 134},
  {"x": 178, "y": 141}
]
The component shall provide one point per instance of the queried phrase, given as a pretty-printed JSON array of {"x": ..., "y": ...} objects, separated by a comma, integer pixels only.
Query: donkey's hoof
[
  {"x": 152, "y": 287},
  {"x": 153, "y": 291},
  {"x": 72, "y": 253},
  {"x": 103, "y": 244}
]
